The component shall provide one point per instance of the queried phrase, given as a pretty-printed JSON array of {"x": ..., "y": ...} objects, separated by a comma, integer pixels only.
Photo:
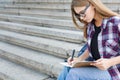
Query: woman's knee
[
  {"x": 78, "y": 72},
  {"x": 72, "y": 75},
  {"x": 63, "y": 74}
]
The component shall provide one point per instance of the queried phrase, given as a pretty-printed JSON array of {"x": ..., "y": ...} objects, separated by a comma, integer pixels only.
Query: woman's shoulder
[{"x": 114, "y": 19}]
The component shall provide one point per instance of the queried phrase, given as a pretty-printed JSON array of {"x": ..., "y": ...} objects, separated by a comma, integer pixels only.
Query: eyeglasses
[{"x": 81, "y": 13}]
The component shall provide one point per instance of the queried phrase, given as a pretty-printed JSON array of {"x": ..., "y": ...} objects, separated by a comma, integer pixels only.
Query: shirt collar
[
  {"x": 103, "y": 26},
  {"x": 104, "y": 23}
]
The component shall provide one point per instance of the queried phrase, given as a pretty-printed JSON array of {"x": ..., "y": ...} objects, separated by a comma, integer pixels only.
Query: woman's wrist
[{"x": 115, "y": 61}]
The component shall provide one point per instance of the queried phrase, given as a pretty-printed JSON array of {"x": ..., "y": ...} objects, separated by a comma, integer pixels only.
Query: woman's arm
[
  {"x": 115, "y": 61},
  {"x": 84, "y": 56},
  {"x": 104, "y": 63}
]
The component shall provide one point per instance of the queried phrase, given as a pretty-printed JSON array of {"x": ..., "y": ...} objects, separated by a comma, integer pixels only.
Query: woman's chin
[{"x": 88, "y": 21}]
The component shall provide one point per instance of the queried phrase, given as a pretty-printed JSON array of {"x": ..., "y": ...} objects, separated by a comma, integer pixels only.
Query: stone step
[
  {"x": 37, "y": 6},
  {"x": 45, "y": 22},
  {"x": 110, "y": 1},
  {"x": 37, "y": 13},
  {"x": 17, "y": 72},
  {"x": 52, "y": 1},
  {"x": 53, "y": 47},
  {"x": 3, "y": 76},
  {"x": 37, "y": 61},
  {"x": 45, "y": 13},
  {"x": 66, "y": 7},
  {"x": 65, "y": 35},
  {"x": 114, "y": 7},
  {"x": 37, "y": 1},
  {"x": 42, "y": 13}
]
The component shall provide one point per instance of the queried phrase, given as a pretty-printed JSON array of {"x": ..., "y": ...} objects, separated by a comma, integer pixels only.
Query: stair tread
[
  {"x": 47, "y": 62},
  {"x": 18, "y": 72},
  {"x": 40, "y": 13},
  {"x": 48, "y": 1},
  {"x": 30, "y": 54},
  {"x": 36, "y": 20},
  {"x": 60, "y": 34},
  {"x": 51, "y": 42},
  {"x": 34, "y": 1},
  {"x": 4, "y": 76}
]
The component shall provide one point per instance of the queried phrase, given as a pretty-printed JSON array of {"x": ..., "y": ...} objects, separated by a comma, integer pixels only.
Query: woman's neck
[{"x": 98, "y": 20}]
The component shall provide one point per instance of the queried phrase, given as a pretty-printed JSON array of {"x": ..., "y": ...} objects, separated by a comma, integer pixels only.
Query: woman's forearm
[
  {"x": 115, "y": 60},
  {"x": 85, "y": 55}
]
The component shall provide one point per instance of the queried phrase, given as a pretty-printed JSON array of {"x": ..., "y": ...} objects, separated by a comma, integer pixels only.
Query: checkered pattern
[{"x": 108, "y": 41}]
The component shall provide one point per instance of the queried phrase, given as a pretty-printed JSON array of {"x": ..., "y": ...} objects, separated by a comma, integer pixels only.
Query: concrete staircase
[{"x": 35, "y": 36}]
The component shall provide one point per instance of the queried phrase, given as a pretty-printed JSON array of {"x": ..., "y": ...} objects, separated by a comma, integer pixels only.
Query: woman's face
[{"x": 85, "y": 13}]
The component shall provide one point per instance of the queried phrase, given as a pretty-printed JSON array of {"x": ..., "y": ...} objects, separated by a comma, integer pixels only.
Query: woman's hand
[
  {"x": 70, "y": 61},
  {"x": 102, "y": 64}
]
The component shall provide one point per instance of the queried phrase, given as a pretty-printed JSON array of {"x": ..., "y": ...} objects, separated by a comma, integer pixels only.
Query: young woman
[{"x": 102, "y": 31}]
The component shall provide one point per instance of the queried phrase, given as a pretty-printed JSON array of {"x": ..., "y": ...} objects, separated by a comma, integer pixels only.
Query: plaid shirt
[{"x": 108, "y": 41}]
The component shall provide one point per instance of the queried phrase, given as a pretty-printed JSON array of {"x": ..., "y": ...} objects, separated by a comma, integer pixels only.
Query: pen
[{"x": 73, "y": 54}]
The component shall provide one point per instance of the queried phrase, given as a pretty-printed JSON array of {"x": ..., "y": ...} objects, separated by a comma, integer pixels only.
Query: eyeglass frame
[{"x": 81, "y": 13}]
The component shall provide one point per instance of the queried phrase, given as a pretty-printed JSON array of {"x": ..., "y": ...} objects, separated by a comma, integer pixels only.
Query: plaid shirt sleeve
[{"x": 119, "y": 30}]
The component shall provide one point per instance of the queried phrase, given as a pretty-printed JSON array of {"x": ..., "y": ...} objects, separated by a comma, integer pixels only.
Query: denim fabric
[
  {"x": 83, "y": 73},
  {"x": 82, "y": 50},
  {"x": 64, "y": 73},
  {"x": 87, "y": 73}
]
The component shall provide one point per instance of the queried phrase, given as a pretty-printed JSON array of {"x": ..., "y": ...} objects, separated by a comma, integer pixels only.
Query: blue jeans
[
  {"x": 64, "y": 73},
  {"x": 87, "y": 73},
  {"x": 83, "y": 73}
]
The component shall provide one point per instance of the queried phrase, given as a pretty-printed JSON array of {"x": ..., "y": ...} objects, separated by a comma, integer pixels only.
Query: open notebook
[{"x": 78, "y": 64}]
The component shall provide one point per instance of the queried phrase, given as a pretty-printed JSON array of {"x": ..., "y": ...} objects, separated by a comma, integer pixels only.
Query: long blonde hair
[{"x": 100, "y": 8}]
